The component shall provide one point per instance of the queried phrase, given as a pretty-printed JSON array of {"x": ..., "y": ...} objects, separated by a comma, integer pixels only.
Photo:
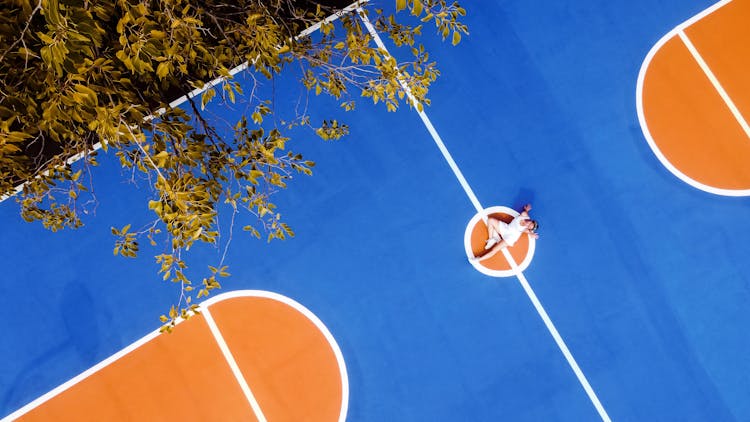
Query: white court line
[
  {"x": 715, "y": 82},
  {"x": 80, "y": 377},
  {"x": 519, "y": 274},
  {"x": 218, "y": 298},
  {"x": 642, "y": 114},
  {"x": 233, "y": 365},
  {"x": 558, "y": 338},
  {"x": 426, "y": 121}
]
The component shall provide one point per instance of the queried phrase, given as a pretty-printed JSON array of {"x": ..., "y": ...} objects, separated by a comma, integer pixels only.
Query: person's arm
[{"x": 526, "y": 209}]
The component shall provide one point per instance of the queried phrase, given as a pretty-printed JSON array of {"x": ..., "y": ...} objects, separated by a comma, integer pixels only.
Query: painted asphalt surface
[{"x": 645, "y": 277}]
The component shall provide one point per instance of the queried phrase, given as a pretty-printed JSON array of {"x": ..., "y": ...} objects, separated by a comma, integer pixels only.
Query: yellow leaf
[
  {"x": 400, "y": 5},
  {"x": 207, "y": 97},
  {"x": 161, "y": 158},
  {"x": 456, "y": 38},
  {"x": 163, "y": 70},
  {"x": 417, "y": 9},
  {"x": 197, "y": 233}
]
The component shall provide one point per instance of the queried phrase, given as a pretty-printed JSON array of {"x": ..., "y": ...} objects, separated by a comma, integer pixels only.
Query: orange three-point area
[
  {"x": 290, "y": 366},
  {"x": 479, "y": 235},
  {"x": 689, "y": 122}
]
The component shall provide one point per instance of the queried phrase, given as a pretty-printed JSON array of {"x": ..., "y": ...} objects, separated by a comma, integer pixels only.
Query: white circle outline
[{"x": 469, "y": 252}]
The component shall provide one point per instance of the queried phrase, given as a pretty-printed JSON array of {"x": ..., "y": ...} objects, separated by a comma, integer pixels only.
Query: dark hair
[{"x": 535, "y": 226}]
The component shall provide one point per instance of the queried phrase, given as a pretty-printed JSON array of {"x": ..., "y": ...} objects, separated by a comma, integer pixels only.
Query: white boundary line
[
  {"x": 469, "y": 252},
  {"x": 218, "y": 298},
  {"x": 518, "y": 273},
  {"x": 233, "y": 366},
  {"x": 80, "y": 377},
  {"x": 642, "y": 117}
]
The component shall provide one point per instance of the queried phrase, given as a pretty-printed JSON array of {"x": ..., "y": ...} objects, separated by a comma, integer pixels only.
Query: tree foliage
[{"x": 83, "y": 75}]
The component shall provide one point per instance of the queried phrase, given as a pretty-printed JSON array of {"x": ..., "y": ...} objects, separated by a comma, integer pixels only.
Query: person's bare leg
[
  {"x": 492, "y": 227},
  {"x": 493, "y": 234},
  {"x": 491, "y": 252}
]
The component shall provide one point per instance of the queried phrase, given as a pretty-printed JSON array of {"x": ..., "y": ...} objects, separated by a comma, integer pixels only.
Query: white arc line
[
  {"x": 518, "y": 273},
  {"x": 233, "y": 365},
  {"x": 558, "y": 338},
  {"x": 715, "y": 82}
]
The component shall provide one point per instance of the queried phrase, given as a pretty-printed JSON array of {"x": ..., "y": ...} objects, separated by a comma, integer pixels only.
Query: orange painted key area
[
  {"x": 286, "y": 356},
  {"x": 723, "y": 40},
  {"x": 690, "y": 127},
  {"x": 181, "y": 376},
  {"x": 498, "y": 262},
  {"x": 286, "y": 360}
]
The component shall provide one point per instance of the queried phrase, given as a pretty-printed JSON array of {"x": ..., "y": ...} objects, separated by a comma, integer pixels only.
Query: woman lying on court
[{"x": 502, "y": 234}]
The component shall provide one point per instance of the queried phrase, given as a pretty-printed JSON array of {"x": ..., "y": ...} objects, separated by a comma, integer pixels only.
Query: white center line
[
  {"x": 715, "y": 82},
  {"x": 233, "y": 365},
  {"x": 519, "y": 274},
  {"x": 558, "y": 338}
]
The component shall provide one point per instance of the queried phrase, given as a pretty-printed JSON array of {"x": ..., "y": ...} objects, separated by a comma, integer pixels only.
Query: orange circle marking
[
  {"x": 476, "y": 236},
  {"x": 287, "y": 357},
  {"x": 686, "y": 118}
]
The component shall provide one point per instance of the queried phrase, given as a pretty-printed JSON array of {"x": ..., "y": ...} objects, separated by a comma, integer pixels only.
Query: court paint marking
[
  {"x": 715, "y": 82},
  {"x": 430, "y": 128},
  {"x": 483, "y": 268},
  {"x": 80, "y": 377},
  {"x": 642, "y": 116},
  {"x": 204, "y": 305},
  {"x": 310, "y": 316},
  {"x": 518, "y": 273},
  {"x": 233, "y": 365},
  {"x": 558, "y": 338}
]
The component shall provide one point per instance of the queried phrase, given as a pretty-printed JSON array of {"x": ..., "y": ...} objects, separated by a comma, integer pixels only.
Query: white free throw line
[
  {"x": 519, "y": 274},
  {"x": 233, "y": 365},
  {"x": 715, "y": 82}
]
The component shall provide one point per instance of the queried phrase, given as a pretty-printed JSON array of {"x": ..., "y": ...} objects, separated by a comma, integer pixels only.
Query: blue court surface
[{"x": 645, "y": 278}]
